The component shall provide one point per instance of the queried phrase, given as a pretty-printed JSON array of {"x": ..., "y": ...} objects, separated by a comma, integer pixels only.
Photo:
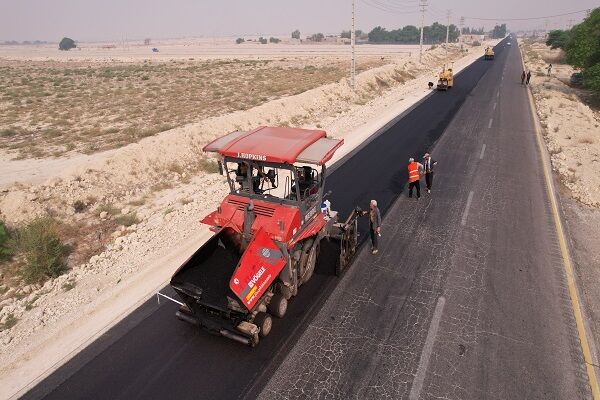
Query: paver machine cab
[
  {"x": 446, "y": 79},
  {"x": 267, "y": 232},
  {"x": 489, "y": 53}
]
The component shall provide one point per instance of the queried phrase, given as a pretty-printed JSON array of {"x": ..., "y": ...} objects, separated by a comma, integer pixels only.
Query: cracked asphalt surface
[
  {"x": 505, "y": 326},
  {"x": 506, "y": 330}
]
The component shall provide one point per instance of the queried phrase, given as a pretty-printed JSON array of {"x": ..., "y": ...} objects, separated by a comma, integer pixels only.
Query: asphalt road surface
[{"x": 466, "y": 298}]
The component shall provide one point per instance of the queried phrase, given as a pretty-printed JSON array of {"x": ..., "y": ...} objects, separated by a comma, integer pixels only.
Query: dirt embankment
[
  {"x": 571, "y": 127},
  {"x": 155, "y": 191},
  {"x": 572, "y": 136}
]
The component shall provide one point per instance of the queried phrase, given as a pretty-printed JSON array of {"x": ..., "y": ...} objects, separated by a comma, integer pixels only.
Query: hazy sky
[{"x": 87, "y": 20}]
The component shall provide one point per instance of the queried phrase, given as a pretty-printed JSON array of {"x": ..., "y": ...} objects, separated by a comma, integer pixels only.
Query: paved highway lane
[
  {"x": 467, "y": 297},
  {"x": 153, "y": 355}
]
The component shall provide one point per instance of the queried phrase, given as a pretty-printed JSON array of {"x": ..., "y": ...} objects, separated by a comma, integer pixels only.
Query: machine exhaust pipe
[
  {"x": 187, "y": 318},
  {"x": 194, "y": 321},
  {"x": 235, "y": 337}
]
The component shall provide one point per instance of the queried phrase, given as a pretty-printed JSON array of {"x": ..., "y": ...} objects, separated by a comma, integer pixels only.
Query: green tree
[
  {"x": 583, "y": 50},
  {"x": 435, "y": 33},
  {"x": 378, "y": 35},
  {"x": 317, "y": 37},
  {"x": 558, "y": 39},
  {"x": 348, "y": 34},
  {"x": 410, "y": 34},
  {"x": 5, "y": 251},
  {"x": 499, "y": 31},
  {"x": 296, "y": 34},
  {"x": 66, "y": 44},
  {"x": 453, "y": 33}
]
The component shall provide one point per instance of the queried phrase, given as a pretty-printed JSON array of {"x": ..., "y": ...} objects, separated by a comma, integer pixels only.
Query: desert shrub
[
  {"x": 66, "y": 44},
  {"x": 43, "y": 251},
  {"x": 5, "y": 251},
  {"x": 239, "y": 40},
  {"x": 9, "y": 132},
  {"x": 79, "y": 206},
  {"x": 476, "y": 43},
  {"x": 262, "y": 40},
  {"x": 11, "y": 321},
  {"x": 296, "y": 34},
  {"x": 109, "y": 208},
  {"x": 274, "y": 40},
  {"x": 208, "y": 165},
  {"x": 127, "y": 219}
]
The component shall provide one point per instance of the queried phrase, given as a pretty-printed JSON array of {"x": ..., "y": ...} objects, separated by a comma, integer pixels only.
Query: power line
[
  {"x": 379, "y": 6},
  {"x": 527, "y": 19},
  {"x": 393, "y": 4}
]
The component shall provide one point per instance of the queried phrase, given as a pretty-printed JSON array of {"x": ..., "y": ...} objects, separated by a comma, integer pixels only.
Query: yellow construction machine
[
  {"x": 446, "y": 80},
  {"x": 489, "y": 53}
]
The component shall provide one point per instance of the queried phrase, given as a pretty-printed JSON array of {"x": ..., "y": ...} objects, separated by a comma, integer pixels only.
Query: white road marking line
[
  {"x": 498, "y": 94},
  {"x": 490, "y": 124},
  {"x": 417, "y": 385},
  {"x": 463, "y": 222},
  {"x": 495, "y": 104},
  {"x": 482, "y": 152}
]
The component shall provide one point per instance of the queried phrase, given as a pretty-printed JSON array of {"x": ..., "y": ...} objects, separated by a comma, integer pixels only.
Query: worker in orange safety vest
[{"x": 415, "y": 170}]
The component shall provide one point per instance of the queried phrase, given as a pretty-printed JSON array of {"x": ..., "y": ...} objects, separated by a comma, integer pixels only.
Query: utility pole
[
  {"x": 448, "y": 12},
  {"x": 460, "y": 32},
  {"x": 423, "y": 5},
  {"x": 353, "y": 42},
  {"x": 448, "y": 26}
]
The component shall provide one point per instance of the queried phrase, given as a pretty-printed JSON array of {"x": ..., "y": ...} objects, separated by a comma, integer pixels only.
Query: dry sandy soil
[
  {"x": 572, "y": 128},
  {"x": 53, "y": 107},
  {"x": 147, "y": 198},
  {"x": 197, "y": 48},
  {"x": 572, "y": 136}
]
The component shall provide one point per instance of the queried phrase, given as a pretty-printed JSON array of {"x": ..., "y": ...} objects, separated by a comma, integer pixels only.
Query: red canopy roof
[{"x": 277, "y": 144}]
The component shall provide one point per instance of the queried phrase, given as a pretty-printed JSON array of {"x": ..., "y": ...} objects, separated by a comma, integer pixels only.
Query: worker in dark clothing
[
  {"x": 241, "y": 175},
  {"x": 415, "y": 170},
  {"x": 374, "y": 225},
  {"x": 528, "y": 77},
  {"x": 523, "y": 76},
  {"x": 428, "y": 164}
]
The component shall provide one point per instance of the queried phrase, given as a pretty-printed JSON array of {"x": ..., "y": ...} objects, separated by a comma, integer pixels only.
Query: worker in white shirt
[{"x": 428, "y": 164}]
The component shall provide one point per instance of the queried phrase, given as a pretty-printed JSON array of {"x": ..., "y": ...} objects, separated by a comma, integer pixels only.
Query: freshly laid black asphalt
[
  {"x": 467, "y": 296},
  {"x": 505, "y": 330}
]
